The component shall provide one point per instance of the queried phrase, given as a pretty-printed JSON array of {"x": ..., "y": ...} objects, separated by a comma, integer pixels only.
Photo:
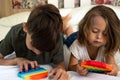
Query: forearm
[
  {"x": 8, "y": 61},
  {"x": 110, "y": 60},
  {"x": 73, "y": 63}
]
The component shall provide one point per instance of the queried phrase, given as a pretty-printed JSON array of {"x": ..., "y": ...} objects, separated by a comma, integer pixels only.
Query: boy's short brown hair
[{"x": 44, "y": 26}]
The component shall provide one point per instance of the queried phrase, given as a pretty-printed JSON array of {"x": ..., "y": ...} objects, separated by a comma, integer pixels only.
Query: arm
[
  {"x": 111, "y": 60},
  {"x": 6, "y": 61},
  {"x": 18, "y": 61},
  {"x": 8, "y": 45},
  {"x": 74, "y": 65}
]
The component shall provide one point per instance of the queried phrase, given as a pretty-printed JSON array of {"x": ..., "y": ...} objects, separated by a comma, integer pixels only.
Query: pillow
[
  {"x": 14, "y": 19},
  {"x": 85, "y": 2},
  {"x": 3, "y": 31},
  {"x": 22, "y": 17}
]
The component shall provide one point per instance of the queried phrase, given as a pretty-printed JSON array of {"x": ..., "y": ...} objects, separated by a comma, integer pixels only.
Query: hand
[
  {"x": 24, "y": 64},
  {"x": 81, "y": 70},
  {"x": 114, "y": 71},
  {"x": 59, "y": 74}
]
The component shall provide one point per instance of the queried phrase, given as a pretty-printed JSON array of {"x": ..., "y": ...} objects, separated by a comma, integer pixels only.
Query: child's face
[
  {"x": 97, "y": 36},
  {"x": 29, "y": 45}
]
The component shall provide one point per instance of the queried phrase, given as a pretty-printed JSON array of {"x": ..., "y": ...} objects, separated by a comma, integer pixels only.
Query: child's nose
[{"x": 99, "y": 35}]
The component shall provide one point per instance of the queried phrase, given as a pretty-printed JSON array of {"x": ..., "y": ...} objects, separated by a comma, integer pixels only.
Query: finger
[
  {"x": 84, "y": 72},
  {"x": 21, "y": 67},
  {"x": 58, "y": 74},
  {"x": 109, "y": 73},
  {"x": 26, "y": 66},
  {"x": 36, "y": 64},
  {"x": 52, "y": 72},
  {"x": 64, "y": 76},
  {"x": 81, "y": 68},
  {"x": 32, "y": 65}
]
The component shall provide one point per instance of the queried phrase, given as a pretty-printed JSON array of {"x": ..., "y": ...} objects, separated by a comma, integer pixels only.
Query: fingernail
[{"x": 51, "y": 77}]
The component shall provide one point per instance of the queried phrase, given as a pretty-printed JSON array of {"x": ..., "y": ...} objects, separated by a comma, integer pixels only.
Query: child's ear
[{"x": 25, "y": 27}]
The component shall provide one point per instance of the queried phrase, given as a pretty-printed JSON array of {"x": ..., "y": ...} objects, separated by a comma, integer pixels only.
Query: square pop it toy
[
  {"x": 33, "y": 74},
  {"x": 96, "y": 66}
]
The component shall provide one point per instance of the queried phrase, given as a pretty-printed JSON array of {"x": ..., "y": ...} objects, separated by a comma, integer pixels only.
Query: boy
[{"x": 39, "y": 41}]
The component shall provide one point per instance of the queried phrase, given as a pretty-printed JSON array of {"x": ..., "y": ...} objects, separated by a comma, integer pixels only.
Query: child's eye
[
  {"x": 105, "y": 34},
  {"x": 95, "y": 31}
]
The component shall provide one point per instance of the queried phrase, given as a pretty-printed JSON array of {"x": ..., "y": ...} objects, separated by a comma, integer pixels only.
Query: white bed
[{"x": 77, "y": 14}]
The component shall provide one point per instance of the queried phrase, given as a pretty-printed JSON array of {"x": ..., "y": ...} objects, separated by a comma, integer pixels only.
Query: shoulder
[
  {"x": 75, "y": 43},
  {"x": 15, "y": 33},
  {"x": 17, "y": 28},
  {"x": 78, "y": 50},
  {"x": 76, "y": 46}
]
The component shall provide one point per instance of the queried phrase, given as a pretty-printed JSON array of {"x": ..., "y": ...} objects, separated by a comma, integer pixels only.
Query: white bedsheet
[
  {"x": 91, "y": 76},
  {"x": 3, "y": 31},
  {"x": 10, "y": 73}
]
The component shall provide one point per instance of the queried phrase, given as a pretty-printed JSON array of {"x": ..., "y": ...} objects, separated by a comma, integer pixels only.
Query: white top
[{"x": 81, "y": 53}]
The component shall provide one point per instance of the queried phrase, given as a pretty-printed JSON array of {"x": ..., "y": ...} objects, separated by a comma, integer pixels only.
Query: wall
[{"x": 6, "y": 8}]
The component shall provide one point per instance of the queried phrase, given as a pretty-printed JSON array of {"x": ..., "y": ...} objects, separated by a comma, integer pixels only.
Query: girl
[{"x": 98, "y": 39}]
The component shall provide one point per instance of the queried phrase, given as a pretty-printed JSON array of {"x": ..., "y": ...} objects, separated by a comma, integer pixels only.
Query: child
[
  {"x": 39, "y": 41},
  {"x": 98, "y": 39}
]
